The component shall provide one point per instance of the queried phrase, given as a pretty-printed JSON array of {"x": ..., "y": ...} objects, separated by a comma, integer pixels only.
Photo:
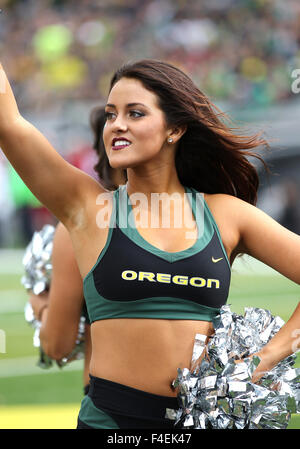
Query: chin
[
  {"x": 118, "y": 165},
  {"x": 122, "y": 164},
  {"x": 129, "y": 162}
]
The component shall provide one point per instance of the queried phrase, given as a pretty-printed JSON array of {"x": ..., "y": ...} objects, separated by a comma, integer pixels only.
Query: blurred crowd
[
  {"x": 241, "y": 50},
  {"x": 21, "y": 212},
  {"x": 60, "y": 54}
]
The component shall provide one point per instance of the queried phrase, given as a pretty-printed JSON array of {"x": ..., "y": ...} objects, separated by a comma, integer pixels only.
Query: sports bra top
[{"x": 134, "y": 279}]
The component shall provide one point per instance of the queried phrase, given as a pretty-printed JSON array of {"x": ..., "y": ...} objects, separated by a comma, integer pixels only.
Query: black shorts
[{"x": 110, "y": 405}]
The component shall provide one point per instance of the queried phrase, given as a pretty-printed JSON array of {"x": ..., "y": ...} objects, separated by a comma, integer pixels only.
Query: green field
[{"x": 34, "y": 398}]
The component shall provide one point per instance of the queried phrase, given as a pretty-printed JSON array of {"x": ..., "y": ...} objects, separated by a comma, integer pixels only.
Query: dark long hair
[
  {"x": 210, "y": 156},
  {"x": 103, "y": 169}
]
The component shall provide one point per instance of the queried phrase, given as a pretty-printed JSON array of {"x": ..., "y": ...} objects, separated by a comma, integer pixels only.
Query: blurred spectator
[
  {"x": 31, "y": 215},
  {"x": 281, "y": 201},
  {"x": 6, "y": 204},
  {"x": 85, "y": 159},
  {"x": 290, "y": 217},
  {"x": 238, "y": 50}
]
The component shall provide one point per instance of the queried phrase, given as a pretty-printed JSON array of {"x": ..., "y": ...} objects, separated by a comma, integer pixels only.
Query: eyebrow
[{"x": 129, "y": 105}]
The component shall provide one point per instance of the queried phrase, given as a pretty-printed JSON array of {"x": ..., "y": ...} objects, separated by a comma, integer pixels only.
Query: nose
[{"x": 119, "y": 124}]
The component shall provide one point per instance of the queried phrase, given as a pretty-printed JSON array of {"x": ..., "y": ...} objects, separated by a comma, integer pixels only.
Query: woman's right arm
[{"x": 61, "y": 187}]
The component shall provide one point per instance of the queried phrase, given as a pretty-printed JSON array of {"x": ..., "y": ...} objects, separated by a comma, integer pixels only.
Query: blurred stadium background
[{"x": 59, "y": 56}]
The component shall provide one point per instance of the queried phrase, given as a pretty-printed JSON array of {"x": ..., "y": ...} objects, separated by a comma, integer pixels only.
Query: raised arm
[
  {"x": 64, "y": 301},
  {"x": 61, "y": 187}
]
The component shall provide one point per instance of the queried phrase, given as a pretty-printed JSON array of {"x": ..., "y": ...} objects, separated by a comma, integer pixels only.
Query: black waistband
[{"x": 123, "y": 400}]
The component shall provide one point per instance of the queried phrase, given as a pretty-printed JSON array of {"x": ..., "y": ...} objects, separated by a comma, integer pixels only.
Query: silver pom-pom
[
  {"x": 37, "y": 278},
  {"x": 216, "y": 392},
  {"x": 37, "y": 261}
]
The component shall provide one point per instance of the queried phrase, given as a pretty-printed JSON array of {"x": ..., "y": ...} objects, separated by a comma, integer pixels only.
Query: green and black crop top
[{"x": 134, "y": 279}]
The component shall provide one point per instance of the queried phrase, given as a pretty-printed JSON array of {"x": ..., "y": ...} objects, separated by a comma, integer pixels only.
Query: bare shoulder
[
  {"x": 226, "y": 210},
  {"x": 89, "y": 232},
  {"x": 257, "y": 234},
  {"x": 95, "y": 197},
  {"x": 231, "y": 207},
  {"x": 222, "y": 200},
  {"x": 92, "y": 188},
  {"x": 99, "y": 205},
  {"x": 243, "y": 214}
]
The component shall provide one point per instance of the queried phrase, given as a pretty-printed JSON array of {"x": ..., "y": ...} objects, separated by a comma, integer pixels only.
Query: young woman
[
  {"x": 150, "y": 289},
  {"x": 60, "y": 308}
]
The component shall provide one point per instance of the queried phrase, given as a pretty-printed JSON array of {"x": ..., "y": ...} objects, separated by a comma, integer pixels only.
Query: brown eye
[
  {"x": 136, "y": 114},
  {"x": 109, "y": 115}
]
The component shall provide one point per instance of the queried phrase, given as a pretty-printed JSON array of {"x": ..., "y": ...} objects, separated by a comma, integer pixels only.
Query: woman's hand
[
  {"x": 265, "y": 365},
  {"x": 39, "y": 303}
]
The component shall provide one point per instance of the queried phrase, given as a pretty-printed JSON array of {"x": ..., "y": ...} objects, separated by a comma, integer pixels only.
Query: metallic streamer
[{"x": 217, "y": 392}]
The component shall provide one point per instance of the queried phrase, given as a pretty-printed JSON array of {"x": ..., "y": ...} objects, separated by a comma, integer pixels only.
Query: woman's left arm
[{"x": 266, "y": 240}]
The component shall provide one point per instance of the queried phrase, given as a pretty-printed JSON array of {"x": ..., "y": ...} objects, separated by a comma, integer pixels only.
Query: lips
[{"x": 119, "y": 143}]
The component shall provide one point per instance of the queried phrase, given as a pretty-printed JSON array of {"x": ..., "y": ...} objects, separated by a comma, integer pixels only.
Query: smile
[{"x": 120, "y": 144}]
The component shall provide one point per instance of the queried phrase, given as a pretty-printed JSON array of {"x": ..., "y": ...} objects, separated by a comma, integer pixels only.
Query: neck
[{"x": 153, "y": 184}]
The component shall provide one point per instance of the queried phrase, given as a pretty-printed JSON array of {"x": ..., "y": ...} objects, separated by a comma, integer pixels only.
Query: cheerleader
[{"x": 150, "y": 287}]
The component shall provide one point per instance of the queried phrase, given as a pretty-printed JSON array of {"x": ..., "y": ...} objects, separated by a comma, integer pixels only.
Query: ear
[{"x": 176, "y": 133}]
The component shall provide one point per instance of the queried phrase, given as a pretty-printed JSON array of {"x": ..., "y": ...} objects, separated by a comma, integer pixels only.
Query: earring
[{"x": 170, "y": 140}]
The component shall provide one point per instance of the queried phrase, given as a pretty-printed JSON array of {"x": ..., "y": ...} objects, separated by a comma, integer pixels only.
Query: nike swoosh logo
[{"x": 216, "y": 260}]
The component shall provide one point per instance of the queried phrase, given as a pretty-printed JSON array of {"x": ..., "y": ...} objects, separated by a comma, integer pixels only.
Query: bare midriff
[{"x": 144, "y": 353}]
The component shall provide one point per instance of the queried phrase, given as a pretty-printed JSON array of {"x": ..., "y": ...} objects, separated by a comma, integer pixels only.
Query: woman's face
[{"x": 135, "y": 130}]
